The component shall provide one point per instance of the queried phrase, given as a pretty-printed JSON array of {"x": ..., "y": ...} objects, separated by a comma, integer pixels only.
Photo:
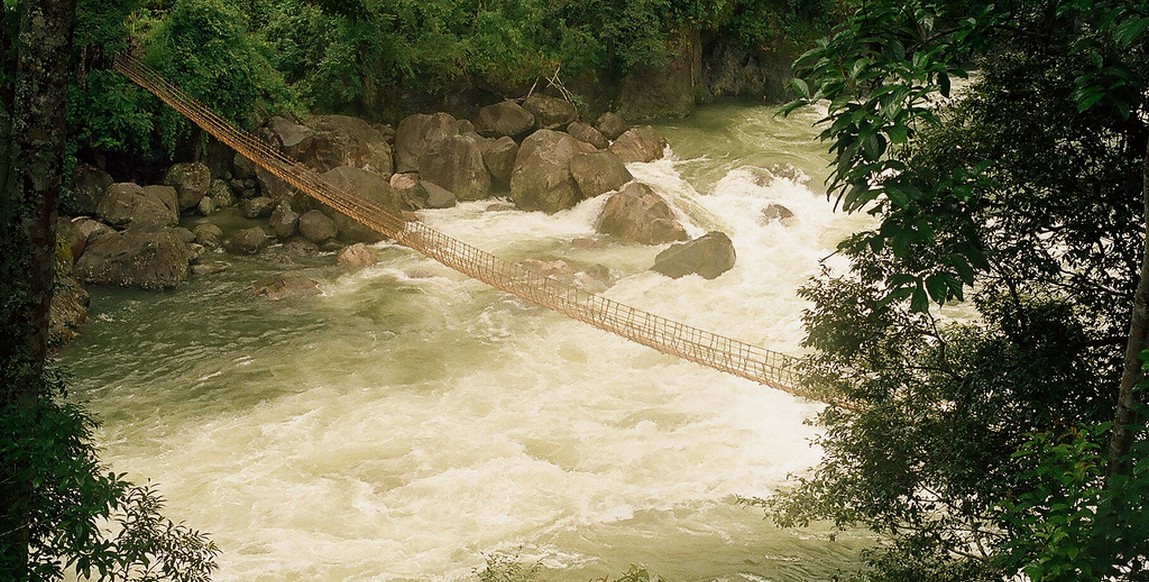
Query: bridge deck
[{"x": 742, "y": 359}]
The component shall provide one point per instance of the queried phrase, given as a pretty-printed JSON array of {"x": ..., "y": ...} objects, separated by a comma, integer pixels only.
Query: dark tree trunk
[
  {"x": 1122, "y": 438},
  {"x": 34, "y": 162}
]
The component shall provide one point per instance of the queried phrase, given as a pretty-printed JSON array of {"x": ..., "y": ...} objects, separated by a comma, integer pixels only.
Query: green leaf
[
  {"x": 898, "y": 134},
  {"x": 800, "y": 87},
  {"x": 919, "y": 301},
  {"x": 1128, "y": 32}
]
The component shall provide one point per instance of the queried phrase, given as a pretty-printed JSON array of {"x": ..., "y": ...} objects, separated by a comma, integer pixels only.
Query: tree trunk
[
  {"x": 1122, "y": 438},
  {"x": 28, "y": 203}
]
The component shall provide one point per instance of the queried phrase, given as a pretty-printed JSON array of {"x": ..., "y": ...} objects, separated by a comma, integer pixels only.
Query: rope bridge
[{"x": 665, "y": 335}]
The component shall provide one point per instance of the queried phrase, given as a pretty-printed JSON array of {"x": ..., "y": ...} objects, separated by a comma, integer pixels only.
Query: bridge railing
[{"x": 722, "y": 353}]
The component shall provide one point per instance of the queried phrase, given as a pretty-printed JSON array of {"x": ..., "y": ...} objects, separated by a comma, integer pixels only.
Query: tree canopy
[{"x": 1016, "y": 207}]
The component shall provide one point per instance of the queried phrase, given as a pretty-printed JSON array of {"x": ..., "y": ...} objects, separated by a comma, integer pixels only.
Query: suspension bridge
[{"x": 767, "y": 367}]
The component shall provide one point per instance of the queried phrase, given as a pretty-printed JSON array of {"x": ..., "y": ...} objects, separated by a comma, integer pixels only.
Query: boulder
[
  {"x": 89, "y": 184},
  {"x": 499, "y": 157},
  {"x": 143, "y": 257},
  {"x": 340, "y": 140},
  {"x": 550, "y": 112},
  {"x": 185, "y": 235},
  {"x": 221, "y": 194},
  {"x": 456, "y": 163},
  {"x": 248, "y": 241},
  {"x": 356, "y": 256},
  {"x": 259, "y": 207},
  {"x": 640, "y": 215},
  {"x": 504, "y": 119},
  {"x": 191, "y": 181},
  {"x": 709, "y": 256},
  {"x": 125, "y": 204},
  {"x": 372, "y": 189},
  {"x": 165, "y": 194},
  {"x": 542, "y": 179},
  {"x": 597, "y": 173},
  {"x": 293, "y": 139},
  {"x": 416, "y": 133},
  {"x": 68, "y": 310},
  {"x": 82, "y": 231},
  {"x": 435, "y": 196},
  {"x": 269, "y": 186},
  {"x": 206, "y": 206},
  {"x": 242, "y": 168},
  {"x": 584, "y": 132},
  {"x": 286, "y": 286},
  {"x": 611, "y": 125},
  {"x": 283, "y": 221},
  {"x": 639, "y": 144},
  {"x": 317, "y": 227},
  {"x": 775, "y": 212},
  {"x": 209, "y": 235}
]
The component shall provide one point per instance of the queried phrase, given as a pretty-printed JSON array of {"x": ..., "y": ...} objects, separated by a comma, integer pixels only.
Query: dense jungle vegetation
[
  {"x": 990, "y": 335},
  {"x": 382, "y": 59}
]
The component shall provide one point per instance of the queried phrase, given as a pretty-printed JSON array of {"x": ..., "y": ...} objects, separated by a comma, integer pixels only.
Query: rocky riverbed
[{"x": 534, "y": 154}]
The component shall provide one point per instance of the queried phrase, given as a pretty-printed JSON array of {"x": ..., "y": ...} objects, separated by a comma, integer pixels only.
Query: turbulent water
[{"x": 409, "y": 421}]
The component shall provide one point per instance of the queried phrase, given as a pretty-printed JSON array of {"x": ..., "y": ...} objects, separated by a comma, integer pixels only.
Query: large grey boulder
[
  {"x": 611, "y": 125},
  {"x": 317, "y": 227},
  {"x": 597, "y": 173},
  {"x": 435, "y": 196},
  {"x": 191, "y": 181},
  {"x": 542, "y": 177},
  {"x": 456, "y": 163},
  {"x": 416, "y": 133},
  {"x": 709, "y": 256},
  {"x": 373, "y": 190},
  {"x": 89, "y": 184},
  {"x": 640, "y": 215},
  {"x": 125, "y": 204},
  {"x": 550, "y": 112},
  {"x": 292, "y": 138},
  {"x": 499, "y": 157},
  {"x": 147, "y": 258},
  {"x": 340, "y": 140},
  {"x": 248, "y": 241},
  {"x": 639, "y": 144},
  {"x": 81, "y": 231},
  {"x": 504, "y": 119},
  {"x": 585, "y": 132},
  {"x": 283, "y": 221}
]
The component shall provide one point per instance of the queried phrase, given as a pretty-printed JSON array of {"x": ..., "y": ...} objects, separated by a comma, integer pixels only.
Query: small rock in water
[
  {"x": 775, "y": 212},
  {"x": 286, "y": 286},
  {"x": 356, "y": 256}
]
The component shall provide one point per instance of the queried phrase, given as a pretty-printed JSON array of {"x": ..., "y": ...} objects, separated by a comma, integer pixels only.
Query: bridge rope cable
[{"x": 722, "y": 353}]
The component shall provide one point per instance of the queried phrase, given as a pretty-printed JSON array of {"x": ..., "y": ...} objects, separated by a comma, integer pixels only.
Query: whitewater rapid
[{"x": 409, "y": 420}]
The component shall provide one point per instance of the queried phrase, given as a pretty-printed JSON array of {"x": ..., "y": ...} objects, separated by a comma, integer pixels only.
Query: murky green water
[{"x": 409, "y": 420}]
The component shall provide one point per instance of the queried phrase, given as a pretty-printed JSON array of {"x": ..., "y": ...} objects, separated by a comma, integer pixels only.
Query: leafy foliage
[
  {"x": 49, "y": 443},
  {"x": 974, "y": 437}
]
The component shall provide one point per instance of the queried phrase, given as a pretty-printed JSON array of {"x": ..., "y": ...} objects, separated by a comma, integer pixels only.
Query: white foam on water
[{"x": 421, "y": 419}]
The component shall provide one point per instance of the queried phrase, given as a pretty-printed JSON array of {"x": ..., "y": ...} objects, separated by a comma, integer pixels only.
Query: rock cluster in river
[{"x": 535, "y": 152}]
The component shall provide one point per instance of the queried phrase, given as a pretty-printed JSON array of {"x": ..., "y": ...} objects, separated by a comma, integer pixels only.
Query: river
[{"x": 409, "y": 422}]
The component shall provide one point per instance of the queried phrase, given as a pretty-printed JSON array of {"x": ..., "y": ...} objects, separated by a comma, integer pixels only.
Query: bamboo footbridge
[{"x": 721, "y": 353}]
